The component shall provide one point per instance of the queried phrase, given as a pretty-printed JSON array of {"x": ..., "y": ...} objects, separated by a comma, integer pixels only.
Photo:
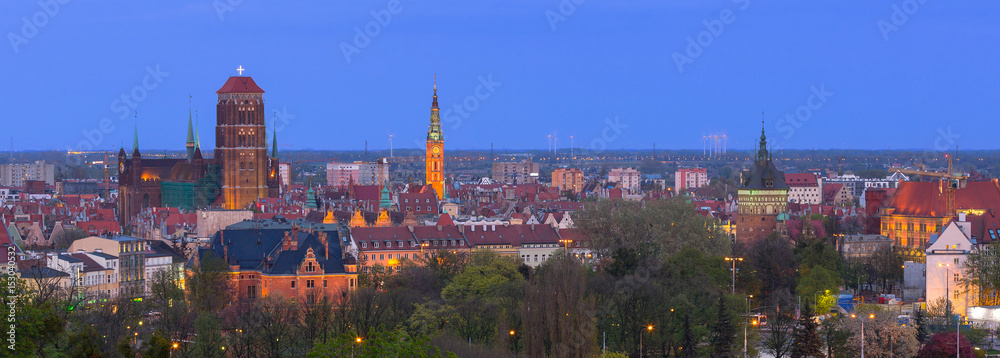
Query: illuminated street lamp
[
  {"x": 870, "y": 316},
  {"x": 734, "y": 259},
  {"x": 648, "y": 328}
]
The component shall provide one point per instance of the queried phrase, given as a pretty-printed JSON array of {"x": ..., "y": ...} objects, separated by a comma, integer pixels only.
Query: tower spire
[
  {"x": 190, "y": 137},
  {"x": 274, "y": 140},
  {"x": 135, "y": 135},
  {"x": 434, "y": 104}
]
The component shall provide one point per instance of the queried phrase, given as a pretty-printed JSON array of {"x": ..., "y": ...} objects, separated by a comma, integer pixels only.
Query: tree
[
  {"x": 386, "y": 344},
  {"x": 689, "y": 346},
  {"x": 779, "y": 341},
  {"x": 982, "y": 270},
  {"x": 209, "y": 285},
  {"x": 818, "y": 284},
  {"x": 157, "y": 346},
  {"x": 657, "y": 229},
  {"x": 884, "y": 336},
  {"x": 836, "y": 338},
  {"x": 558, "y": 312},
  {"x": 943, "y": 345},
  {"x": 773, "y": 263},
  {"x": 83, "y": 341},
  {"x": 723, "y": 333},
  {"x": 210, "y": 341},
  {"x": 806, "y": 340},
  {"x": 920, "y": 320}
]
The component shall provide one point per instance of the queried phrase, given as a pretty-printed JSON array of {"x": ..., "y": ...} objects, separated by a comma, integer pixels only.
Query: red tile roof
[
  {"x": 238, "y": 84},
  {"x": 800, "y": 179},
  {"x": 926, "y": 199}
]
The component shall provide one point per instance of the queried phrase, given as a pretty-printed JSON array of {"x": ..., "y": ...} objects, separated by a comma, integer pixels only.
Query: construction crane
[{"x": 947, "y": 184}]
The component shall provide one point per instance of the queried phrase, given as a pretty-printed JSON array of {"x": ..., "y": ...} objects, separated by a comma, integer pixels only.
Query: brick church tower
[
  {"x": 240, "y": 142},
  {"x": 763, "y": 196},
  {"x": 435, "y": 149}
]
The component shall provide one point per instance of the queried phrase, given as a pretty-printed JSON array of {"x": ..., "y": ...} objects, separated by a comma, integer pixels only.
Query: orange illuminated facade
[
  {"x": 435, "y": 149},
  {"x": 568, "y": 179}
]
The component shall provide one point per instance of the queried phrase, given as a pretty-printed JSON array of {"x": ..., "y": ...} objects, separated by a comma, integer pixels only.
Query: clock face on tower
[{"x": 436, "y": 150}]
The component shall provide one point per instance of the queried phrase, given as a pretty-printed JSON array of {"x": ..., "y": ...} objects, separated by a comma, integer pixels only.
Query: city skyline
[{"x": 850, "y": 76}]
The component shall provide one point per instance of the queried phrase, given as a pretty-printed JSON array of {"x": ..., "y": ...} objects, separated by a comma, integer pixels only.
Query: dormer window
[
  {"x": 375, "y": 244},
  {"x": 364, "y": 245},
  {"x": 388, "y": 244}
]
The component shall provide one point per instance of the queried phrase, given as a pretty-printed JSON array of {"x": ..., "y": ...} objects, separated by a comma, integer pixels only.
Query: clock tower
[{"x": 435, "y": 149}]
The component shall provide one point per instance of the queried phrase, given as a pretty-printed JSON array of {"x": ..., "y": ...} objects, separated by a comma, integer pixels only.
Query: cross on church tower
[{"x": 240, "y": 70}]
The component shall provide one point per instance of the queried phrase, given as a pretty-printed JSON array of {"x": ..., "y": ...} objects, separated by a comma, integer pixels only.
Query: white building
[
  {"x": 946, "y": 257},
  {"x": 804, "y": 188}
]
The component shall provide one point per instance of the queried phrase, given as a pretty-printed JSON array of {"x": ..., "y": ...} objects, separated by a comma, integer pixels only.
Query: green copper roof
[
  {"x": 385, "y": 201},
  {"x": 274, "y": 144}
]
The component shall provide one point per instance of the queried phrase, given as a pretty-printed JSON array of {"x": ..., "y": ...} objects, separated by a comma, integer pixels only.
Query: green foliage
[
  {"x": 836, "y": 338},
  {"x": 484, "y": 296},
  {"x": 158, "y": 346},
  {"x": 806, "y": 341},
  {"x": 819, "y": 285},
  {"x": 558, "y": 311},
  {"x": 209, "y": 284},
  {"x": 83, "y": 342},
  {"x": 818, "y": 252},
  {"x": 208, "y": 327},
  {"x": 723, "y": 332},
  {"x": 982, "y": 268},
  {"x": 387, "y": 344},
  {"x": 656, "y": 229}
]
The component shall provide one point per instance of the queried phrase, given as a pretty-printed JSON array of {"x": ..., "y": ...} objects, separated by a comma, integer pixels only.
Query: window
[
  {"x": 956, "y": 277},
  {"x": 310, "y": 267},
  {"x": 310, "y": 283},
  {"x": 375, "y": 244},
  {"x": 293, "y": 284},
  {"x": 428, "y": 208},
  {"x": 406, "y": 256},
  {"x": 364, "y": 245},
  {"x": 381, "y": 257},
  {"x": 956, "y": 261},
  {"x": 252, "y": 291},
  {"x": 388, "y": 244},
  {"x": 324, "y": 283}
]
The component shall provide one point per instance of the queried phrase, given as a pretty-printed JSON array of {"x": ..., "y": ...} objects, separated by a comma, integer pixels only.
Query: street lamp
[
  {"x": 947, "y": 297},
  {"x": 648, "y": 328},
  {"x": 734, "y": 259},
  {"x": 353, "y": 347},
  {"x": 745, "y": 323},
  {"x": 871, "y": 316}
]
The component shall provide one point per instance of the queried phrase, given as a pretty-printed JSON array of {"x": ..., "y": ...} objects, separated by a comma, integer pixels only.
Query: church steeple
[
  {"x": 435, "y": 149},
  {"x": 274, "y": 143},
  {"x": 190, "y": 137},
  {"x": 135, "y": 138}
]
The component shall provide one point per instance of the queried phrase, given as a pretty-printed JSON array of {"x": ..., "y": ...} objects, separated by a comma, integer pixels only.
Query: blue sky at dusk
[{"x": 849, "y": 74}]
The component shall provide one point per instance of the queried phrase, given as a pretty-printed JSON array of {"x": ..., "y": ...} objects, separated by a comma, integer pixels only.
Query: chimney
[
  {"x": 493, "y": 227},
  {"x": 326, "y": 244},
  {"x": 439, "y": 227},
  {"x": 532, "y": 227},
  {"x": 461, "y": 228},
  {"x": 410, "y": 227},
  {"x": 286, "y": 241}
]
